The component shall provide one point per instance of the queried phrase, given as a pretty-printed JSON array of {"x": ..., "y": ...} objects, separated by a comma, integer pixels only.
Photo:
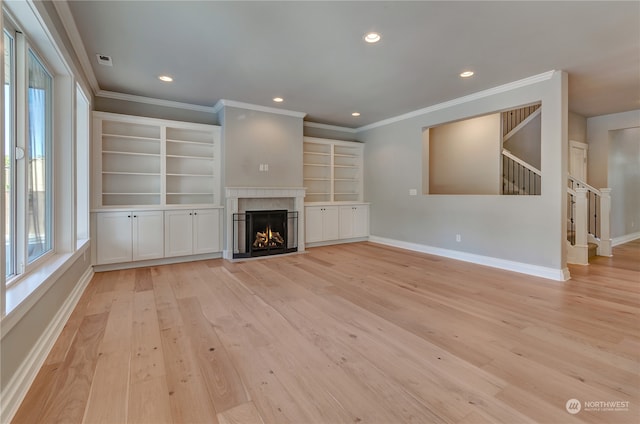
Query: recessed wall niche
[{"x": 498, "y": 153}]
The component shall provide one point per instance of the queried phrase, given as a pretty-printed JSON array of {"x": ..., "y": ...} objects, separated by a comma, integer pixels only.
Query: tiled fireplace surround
[{"x": 242, "y": 199}]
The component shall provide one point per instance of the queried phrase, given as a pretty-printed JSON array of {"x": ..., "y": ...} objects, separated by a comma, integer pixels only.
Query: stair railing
[
  {"x": 595, "y": 206},
  {"x": 519, "y": 177}
]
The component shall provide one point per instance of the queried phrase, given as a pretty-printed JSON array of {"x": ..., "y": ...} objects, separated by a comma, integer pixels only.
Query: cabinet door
[
  {"x": 178, "y": 233},
  {"x": 313, "y": 223},
  {"x": 206, "y": 231},
  {"x": 360, "y": 222},
  {"x": 331, "y": 223},
  {"x": 148, "y": 235},
  {"x": 346, "y": 222},
  {"x": 113, "y": 237}
]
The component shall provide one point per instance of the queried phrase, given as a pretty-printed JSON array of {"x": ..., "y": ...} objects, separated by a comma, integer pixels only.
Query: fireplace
[
  {"x": 238, "y": 200},
  {"x": 265, "y": 232}
]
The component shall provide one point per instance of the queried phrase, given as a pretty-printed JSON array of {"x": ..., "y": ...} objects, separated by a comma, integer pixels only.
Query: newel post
[
  {"x": 582, "y": 227},
  {"x": 604, "y": 248}
]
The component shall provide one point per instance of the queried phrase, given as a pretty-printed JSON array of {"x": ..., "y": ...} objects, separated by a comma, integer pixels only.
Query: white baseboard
[
  {"x": 17, "y": 388},
  {"x": 625, "y": 239},
  {"x": 524, "y": 268}
]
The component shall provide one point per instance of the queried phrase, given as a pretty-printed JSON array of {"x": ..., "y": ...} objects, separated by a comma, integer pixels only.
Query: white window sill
[{"x": 25, "y": 293}]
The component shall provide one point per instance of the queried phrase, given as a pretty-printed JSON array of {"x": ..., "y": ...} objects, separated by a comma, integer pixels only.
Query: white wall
[
  {"x": 464, "y": 156},
  {"x": 251, "y": 138},
  {"x": 599, "y": 140},
  {"x": 624, "y": 180},
  {"x": 528, "y": 230},
  {"x": 577, "y": 127}
]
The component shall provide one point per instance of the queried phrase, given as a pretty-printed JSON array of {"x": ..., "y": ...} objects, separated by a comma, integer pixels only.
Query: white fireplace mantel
[{"x": 233, "y": 194}]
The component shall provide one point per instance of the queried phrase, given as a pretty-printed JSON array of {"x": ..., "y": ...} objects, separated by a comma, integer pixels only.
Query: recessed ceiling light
[
  {"x": 165, "y": 78},
  {"x": 355, "y": 114},
  {"x": 278, "y": 99},
  {"x": 466, "y": 74},
  {"x": 372, "y": 37}
]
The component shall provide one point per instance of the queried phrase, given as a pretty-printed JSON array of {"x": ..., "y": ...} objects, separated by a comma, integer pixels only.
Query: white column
[
  {"x": 604, "y": 248},
  {"x": 299, "y": 206},
  {"x": 231, "y": 208}
]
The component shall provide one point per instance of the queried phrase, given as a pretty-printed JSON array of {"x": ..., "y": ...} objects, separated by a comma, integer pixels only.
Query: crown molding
[
  {"x": 152, "y": 101},
  {"x": 460, "y": 100},
  {"x": 232, "y": 103},
  {"x": 62, "y": 7},
  {"x": 329, "y": 127}
]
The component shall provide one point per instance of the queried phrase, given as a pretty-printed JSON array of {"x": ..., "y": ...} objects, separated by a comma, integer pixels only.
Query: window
[
  {"x": 9, "y": 149},
  {"x": 83, "y": 112},
  {"x": 39, "y": 207},
  {"x": 28, "y": 122}
]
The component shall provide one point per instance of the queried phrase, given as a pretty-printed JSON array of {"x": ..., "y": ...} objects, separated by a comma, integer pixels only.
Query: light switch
[{"x": 413, "y": 192}]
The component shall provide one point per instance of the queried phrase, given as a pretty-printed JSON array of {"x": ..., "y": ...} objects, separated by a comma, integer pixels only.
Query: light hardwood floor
[{"x": 346, "y": 334}]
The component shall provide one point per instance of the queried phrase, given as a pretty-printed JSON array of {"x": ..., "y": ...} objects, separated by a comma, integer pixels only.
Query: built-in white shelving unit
[
  {"x": 334, "y": 207},
  {"x": 146, "y": 170},
  {"x": 152, "y": 162},
  {"x": 131, "y": 163},
  {"x": 332, "y": 170}
]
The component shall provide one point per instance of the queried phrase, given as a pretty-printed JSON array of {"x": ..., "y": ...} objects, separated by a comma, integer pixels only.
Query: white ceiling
[{"x": 312, "y": 53}]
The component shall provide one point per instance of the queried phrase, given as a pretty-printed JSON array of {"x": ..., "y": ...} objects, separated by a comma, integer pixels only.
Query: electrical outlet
[
  {"x": 261, "y": 167},
  {"x": 458, "y": 238},
  {"x": 413, "y": 192},
  {"x": 266, "y": 167}
]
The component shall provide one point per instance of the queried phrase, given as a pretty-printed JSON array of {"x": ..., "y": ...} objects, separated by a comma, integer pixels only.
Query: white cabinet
[
  {"x": 322, "y": 223},
  {"x": 354, "y": 221},
  {"x": 333, "y": 222},
  {"x": 332, "y": 170},
  {"x": 192, "y": 232},
  {"x": 129, "y": 236}
]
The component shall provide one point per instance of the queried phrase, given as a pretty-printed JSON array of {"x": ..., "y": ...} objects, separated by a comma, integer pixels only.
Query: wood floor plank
[
  {"x": 149, "y": 402},
  {"x": 147, "y": 360},
  {"x": 68, "y": 397},
  {"x": 63, "y": 343},
  {"x": 224, "y": 385},
  {"x": 245, "y": 413},
  {"x": 108, "y": 399},
  {"x": 353, "y": 333}
]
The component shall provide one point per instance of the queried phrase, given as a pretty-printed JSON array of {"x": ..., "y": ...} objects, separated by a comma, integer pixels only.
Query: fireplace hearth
[{"x": 265, "y": 232}]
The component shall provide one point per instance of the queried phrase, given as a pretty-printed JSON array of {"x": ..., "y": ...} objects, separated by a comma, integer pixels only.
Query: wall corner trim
[
  {"x": 460, "y": 100},
  {"x": 151, "y": 101},
  {"x": 17, "y": 388},
  {"x": 232, "y": 103},
  {"x": 318, "y": 125},
  {"x": 521, "y": 267},
  {"x": 69, "y": 24}
]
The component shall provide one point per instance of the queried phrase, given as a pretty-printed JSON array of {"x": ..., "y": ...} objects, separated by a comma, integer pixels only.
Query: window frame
[{"x": 23, "y": 48}]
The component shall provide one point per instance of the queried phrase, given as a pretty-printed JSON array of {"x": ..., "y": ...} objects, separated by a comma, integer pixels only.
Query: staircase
[
  {"x": 588, "y": 221},
  {"x": 588, "y": 209},
  {"x": 518, "y": 176}
]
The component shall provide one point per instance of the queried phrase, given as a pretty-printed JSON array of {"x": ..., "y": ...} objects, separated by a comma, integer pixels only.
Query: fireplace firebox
[{"x": 265, "y": 232}]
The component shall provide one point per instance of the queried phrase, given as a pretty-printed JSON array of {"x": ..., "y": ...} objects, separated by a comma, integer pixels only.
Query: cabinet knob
[
  {"x": 195, "y": 213},
  {"x": 135, "y": 216},
  {"x": 128, "y": 216}
]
